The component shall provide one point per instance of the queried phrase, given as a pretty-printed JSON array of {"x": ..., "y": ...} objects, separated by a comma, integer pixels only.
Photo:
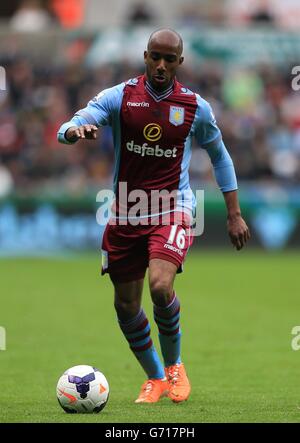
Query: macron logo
[
  {"x": 138, "y": 104},
  {"x": 172, "y": 248}
]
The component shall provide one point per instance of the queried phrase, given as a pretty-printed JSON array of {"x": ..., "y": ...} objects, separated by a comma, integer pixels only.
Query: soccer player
[{"x": 153, "y": 118}]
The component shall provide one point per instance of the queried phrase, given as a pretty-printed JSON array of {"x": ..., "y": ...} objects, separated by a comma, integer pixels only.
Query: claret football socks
[
  {"x": 137, "y": 333},
  {"x": 167, "y": 319}
]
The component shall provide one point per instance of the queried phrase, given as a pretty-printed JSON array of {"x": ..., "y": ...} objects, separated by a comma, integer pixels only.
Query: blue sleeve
[
  {"x": 223, "y": 167},
  {"x": 100, "y": 111},
  {"x": 206, "y": 130},
  {"x": 209, "y": 136}
]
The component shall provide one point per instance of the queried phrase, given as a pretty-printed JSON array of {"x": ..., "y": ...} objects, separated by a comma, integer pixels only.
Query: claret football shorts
[{"x": 127, "y": 249}]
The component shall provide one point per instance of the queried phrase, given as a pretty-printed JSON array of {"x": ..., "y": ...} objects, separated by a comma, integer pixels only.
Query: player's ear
[
  {"x": 145, "y": 56},
  {"x": 181, "y": 60}
]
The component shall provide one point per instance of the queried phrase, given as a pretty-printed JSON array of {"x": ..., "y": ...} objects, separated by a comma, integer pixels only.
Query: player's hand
[
  {"x": 238, "y": 231},
  {"x": 84, "y": 131}
]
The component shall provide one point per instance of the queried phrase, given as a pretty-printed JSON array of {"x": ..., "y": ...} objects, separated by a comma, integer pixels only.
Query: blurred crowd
[
  {"x": 35, "y": 15},
  {"x": 257, "y": 108},
  {"x": 257, "y": 111}
]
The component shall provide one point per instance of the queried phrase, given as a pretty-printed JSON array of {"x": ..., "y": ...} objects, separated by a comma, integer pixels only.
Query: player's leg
[
  {"x": 164, "y": 263},
  {"x": 166, "y": 307},
  {"x": 136, "y": 329},
  {"x": 127, "y": 299},
  {"x": 125, "y": 250}
]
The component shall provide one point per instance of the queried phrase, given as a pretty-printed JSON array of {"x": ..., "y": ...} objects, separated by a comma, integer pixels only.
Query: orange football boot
[
  {"x": 152, "y": 390},
  {"x": 179, "y": 385}
]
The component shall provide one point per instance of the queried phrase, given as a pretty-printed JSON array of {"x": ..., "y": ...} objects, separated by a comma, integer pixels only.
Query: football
[{"x": 82, "y": 389}]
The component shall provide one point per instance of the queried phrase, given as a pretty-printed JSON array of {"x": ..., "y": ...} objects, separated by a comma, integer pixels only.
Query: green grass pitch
[{"x": 238, "y": 310}]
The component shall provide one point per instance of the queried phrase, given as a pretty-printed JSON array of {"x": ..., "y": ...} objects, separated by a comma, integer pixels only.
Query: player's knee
[
  {"x": 161, "y": 291},
  {"x": 126, "y": 309}
]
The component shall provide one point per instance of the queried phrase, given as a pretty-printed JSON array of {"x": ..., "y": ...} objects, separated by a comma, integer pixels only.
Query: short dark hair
[{"x": 180, "y": 42}]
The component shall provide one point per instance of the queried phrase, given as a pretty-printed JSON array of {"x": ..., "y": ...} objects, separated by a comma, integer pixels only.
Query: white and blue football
[{"x": 82, "y": 389}]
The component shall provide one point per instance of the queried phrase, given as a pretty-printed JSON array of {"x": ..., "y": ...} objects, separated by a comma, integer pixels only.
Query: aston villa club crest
[{"x": 176, "y": 116}]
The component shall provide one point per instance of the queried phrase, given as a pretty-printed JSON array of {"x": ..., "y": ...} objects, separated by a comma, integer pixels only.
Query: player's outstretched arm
[
  {"x": 83, "y": 131},
  {"x": 238, "y": 230},
  {"x": 100, "y": 111}
]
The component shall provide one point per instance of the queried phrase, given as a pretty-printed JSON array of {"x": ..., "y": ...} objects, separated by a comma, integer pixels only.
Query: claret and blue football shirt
[{"x": 152, "y": 134}]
